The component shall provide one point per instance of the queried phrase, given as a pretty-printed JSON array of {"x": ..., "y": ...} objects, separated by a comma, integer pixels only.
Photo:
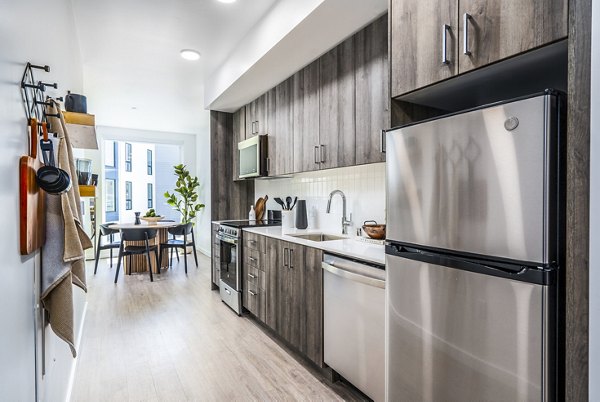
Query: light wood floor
[{"x": 174, "y": 340}]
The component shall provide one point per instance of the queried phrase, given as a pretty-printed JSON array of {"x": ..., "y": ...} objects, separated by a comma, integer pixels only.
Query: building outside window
[
  {"x": 128, "y": 157},
  {"x": 150, "y": 196},
  {"x": 128, "y": 191},
  {"x": 110, "y": 194},
  {"x": 149, "y": 157}
]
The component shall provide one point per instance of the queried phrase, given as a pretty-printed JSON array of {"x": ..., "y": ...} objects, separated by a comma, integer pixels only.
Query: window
[
  {"x": 149, "y": 157},
  {"x": 110, "y": 153},
  {"x": 128, "y": 191},
  {"x": 110, "y": 194},
  {"x": 128, "y": 157},
  {"x": 150, "y": 196}
]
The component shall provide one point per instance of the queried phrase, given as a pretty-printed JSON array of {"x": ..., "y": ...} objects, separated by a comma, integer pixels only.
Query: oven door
[{"x": 230, "y": 262}]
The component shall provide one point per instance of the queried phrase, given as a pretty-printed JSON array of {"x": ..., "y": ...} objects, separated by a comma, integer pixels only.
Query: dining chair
[
  {"x": 184, "y": 230},
  {"x": 105, "y": 231},
  {"x": 145, "y": 235}
]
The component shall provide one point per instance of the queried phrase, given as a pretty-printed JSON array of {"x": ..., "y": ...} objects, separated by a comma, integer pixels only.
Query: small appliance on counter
[
  {"x": 301, "y": 215},
  {"x": 230, "y": 236}
]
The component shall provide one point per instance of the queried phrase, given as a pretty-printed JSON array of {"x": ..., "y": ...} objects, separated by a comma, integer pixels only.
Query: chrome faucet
[{"x": 345, "y": 222}]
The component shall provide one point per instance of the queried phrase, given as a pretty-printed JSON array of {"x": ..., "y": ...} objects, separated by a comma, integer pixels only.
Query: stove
[{"x": 230, "y": 240}]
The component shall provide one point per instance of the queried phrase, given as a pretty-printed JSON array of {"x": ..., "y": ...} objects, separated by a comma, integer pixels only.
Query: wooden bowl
[
  {"x": 374, "y": 230},
  {"x": 152, "y": 219}
]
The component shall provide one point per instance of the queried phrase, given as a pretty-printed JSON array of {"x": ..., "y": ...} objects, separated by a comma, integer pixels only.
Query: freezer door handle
[
  {"x": 504, "y": 270},
  {"x": 353, "y": 277}
]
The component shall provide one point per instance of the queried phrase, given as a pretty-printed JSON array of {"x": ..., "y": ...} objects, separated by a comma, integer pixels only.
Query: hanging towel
[{"x": 63, "y": 255}]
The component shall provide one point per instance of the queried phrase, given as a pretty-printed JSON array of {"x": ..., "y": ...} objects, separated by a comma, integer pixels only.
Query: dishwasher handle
[{"x": 367, "y": 280}]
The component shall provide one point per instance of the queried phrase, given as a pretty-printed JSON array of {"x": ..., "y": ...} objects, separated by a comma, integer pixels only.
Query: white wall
[
  {"x": 22, "y": 26},
  {"x": 364, "y": 187},
  {"x": 203, "y": 224},
  {"x": 594, "y": 335}
]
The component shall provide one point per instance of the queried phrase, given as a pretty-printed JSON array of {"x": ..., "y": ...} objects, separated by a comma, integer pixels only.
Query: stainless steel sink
[{"x": 317, "y": 237}]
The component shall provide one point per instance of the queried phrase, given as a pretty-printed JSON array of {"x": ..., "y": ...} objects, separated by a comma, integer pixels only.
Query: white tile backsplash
[{"x": 364, "y": 187}]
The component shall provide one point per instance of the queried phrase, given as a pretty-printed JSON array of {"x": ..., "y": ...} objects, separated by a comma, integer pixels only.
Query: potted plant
[{"x": 185, "y": 197}]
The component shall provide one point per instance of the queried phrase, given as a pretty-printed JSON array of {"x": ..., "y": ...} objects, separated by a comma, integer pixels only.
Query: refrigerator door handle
[{"x": 511, "y": 271}]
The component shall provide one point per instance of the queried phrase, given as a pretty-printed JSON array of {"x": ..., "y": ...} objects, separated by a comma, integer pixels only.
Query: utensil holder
[{"x": 287, "y": 220}]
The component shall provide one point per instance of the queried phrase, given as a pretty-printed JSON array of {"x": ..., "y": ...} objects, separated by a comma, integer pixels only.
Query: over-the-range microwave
[{"x": 253, "y": 157}]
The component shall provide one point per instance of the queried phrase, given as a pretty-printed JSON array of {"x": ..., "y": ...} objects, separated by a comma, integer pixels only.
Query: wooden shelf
[{"x": 87, "y": 191}]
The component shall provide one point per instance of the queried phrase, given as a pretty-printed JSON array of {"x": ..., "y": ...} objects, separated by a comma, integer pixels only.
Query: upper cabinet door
[
  {"x": 336, "y": 109},
  {"x": 494, "y": 30},
  {"x": 282, "y": 161},
  {"x": 305, "y": 110},
  {"x": 256, "y": 116},
  {"x": 372, "y": 91},
  {"x": 424, "y": 43}
]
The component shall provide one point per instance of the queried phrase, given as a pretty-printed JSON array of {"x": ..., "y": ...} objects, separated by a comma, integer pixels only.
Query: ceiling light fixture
[
  {"x": 190, "y": 54},
  {"x": 227, "y": 1}
]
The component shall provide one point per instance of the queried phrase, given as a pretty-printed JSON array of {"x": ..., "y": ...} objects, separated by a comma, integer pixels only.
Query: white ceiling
[{"x": 130, "y": 53}]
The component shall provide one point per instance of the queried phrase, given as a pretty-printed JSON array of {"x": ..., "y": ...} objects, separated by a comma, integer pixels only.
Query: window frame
[
  {"x": 150, "y": 192},
  {"x": 149, "y": 162},
  {"x": 113, "y": 196},
  {"x": 128, "y": 157},
  {"x": 128, "y": 195}
]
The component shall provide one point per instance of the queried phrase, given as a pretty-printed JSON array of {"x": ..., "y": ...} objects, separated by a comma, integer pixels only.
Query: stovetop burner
[{"x": 247, "y": 223}]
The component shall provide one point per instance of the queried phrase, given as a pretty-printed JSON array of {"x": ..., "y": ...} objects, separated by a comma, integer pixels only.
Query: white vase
[{"x": 287, "y": 220}]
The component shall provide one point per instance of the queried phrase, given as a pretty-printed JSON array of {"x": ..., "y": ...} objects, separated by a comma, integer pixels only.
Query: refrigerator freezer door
[
  {"x": 475, "y": 182},
  {"x": 454, "y": 335}
]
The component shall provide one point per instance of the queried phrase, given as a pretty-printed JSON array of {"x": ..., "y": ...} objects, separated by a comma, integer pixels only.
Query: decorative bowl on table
[{"x": 152, "y": 219}]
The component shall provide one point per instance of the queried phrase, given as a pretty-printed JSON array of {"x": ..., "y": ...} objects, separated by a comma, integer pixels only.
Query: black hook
[
  {"x": 45, "y": 68},
  {"x": 45, "y": 84},
  {"x": 39, "y": 87}
]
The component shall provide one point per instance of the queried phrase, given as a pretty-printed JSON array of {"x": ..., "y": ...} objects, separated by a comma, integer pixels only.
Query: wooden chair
[
  {"x": 105, "y": 230},
  {"x": 180, "y": 230},
  {"x": 144, "y": 235}
]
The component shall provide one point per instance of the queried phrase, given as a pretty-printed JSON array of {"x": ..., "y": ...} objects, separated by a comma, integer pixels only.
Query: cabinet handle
[
  {"x": 291, "y": 257},
  {"x": 316, "y": 154},
  {"x": 252, "y": 259},
  {"x": 252, "y": 133},
  {"x": 322, "y": 153},
  {"x": 466, "y": 18},
  {"x": 251, "y": 292},
  {"x": 252, "y": 241},
  {"x": 382, "y": 142},
  {"x": 285, "y": 250},
  {"x": 268, "y": 165},
  {"x": 252, "y": 276},
  {"x": 445, "y": 28},
  {"x": 257, "y": 127}
]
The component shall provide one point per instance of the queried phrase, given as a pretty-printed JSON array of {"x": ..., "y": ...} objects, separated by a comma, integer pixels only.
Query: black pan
[{"x": 51, "y": 179}]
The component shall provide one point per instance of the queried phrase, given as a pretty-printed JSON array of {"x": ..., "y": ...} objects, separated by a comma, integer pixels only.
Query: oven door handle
[{"x": 227, "y": 239}]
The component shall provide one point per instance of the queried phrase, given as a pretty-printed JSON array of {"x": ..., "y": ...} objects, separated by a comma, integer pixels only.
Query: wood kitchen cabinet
[
  {"x": 305, "y": 121},
  {"x": 256, "y": 116},
  {"x": 337, "y": 129},
  {"x": 372, "y": 110},
  {"x": 239, "y": 134},
  {"x": 281, "y": 138},
  {"x": 294, "y": 296},
  {"x": 428, "y": 37},
  {"x": 254, "y": 296}
]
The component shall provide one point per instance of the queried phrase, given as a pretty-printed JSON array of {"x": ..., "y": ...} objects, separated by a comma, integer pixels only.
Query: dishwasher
[{"x": 354, "y": 322}]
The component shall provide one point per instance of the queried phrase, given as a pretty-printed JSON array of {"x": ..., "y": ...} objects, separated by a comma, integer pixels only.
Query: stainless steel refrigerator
[{"x": 474, "y": 206}]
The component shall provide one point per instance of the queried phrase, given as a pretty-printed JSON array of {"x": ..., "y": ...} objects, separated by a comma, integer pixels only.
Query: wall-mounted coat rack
[{"x": 33, "y": 94}]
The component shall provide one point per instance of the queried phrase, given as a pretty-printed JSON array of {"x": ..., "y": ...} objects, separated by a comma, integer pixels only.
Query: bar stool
[
  {"x": 105, "y": 230},
  {"x": 144, "y": 235},
  {"x": 174, "y": 243}
]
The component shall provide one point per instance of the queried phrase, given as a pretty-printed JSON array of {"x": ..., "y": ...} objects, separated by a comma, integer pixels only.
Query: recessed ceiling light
[
  {"x": 190, "y": 54},
  {"x": 227, "y": 1}
]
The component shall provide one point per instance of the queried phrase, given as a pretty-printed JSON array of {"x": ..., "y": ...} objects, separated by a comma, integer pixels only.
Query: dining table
[{"x": 139, "y": 263}]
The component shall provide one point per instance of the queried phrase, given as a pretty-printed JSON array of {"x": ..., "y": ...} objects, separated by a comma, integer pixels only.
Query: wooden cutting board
[
  {"x": 31, "y": 198},
  {"x": 259, "y": 208}
]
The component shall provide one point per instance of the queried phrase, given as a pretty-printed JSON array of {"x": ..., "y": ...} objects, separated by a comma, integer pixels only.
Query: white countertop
[{"x": 349, "y": 247}]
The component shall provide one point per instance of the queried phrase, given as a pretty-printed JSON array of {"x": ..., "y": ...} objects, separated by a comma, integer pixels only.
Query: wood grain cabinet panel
[
  {"x": 281, "y": 154},
  {"x": 290, "y": 295},
  {"x": 256, "y": 116},
  {"x": 417, "y": 43},
  {"x": 372, "y": 91},
  {"x": 271, "y": 262},
  {"x": 336, "y": 107},
  {"x": 239, "y": 134},
  {"x": 500, "y": 29},
  {"x": 305, "y": 120},
  {"x": 313, "y": 304}
]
